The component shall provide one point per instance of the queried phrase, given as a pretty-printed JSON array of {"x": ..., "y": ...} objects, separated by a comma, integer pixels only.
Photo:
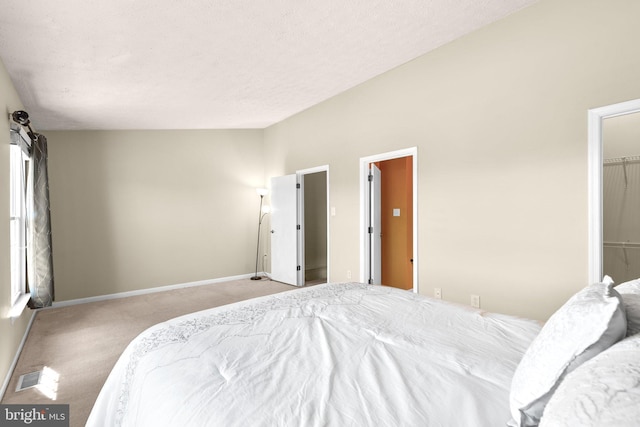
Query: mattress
[{"x": 343, "y": 354}]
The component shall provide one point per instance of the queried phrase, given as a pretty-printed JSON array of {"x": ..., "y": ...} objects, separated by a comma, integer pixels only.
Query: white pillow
[
  {"x": 603, "y": 392},
  {"x": 588, "y": 323},
  {"x": 630, "y": 292}
]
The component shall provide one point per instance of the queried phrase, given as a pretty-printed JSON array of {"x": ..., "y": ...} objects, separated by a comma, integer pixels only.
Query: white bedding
[{"x": 329, "y": 355}]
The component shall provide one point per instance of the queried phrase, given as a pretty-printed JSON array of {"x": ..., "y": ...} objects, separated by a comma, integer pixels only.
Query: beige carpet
[{"x": 82, "y": 342}]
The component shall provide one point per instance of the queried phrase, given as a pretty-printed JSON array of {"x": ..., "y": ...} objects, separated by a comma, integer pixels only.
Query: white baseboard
[
  {"x": 147, "y": 291},
  {"x": 12, "y": 367}
]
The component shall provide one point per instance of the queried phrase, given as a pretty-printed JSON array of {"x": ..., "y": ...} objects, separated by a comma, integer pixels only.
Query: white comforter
[{"x": 329, "y": 355}]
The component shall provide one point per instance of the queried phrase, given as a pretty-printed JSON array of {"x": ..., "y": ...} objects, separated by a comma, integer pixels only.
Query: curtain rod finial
[{"x": 21, "y": 117}]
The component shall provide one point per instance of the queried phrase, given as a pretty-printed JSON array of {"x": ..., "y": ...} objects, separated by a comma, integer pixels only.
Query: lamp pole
[{"x": 261, "y": 215}]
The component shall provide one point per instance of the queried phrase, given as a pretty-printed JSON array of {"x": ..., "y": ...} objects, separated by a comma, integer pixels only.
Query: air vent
[{"x": 29, "y": 380}]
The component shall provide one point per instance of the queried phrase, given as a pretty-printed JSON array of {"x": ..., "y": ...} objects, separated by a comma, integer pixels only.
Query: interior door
[
  {"x": 284, "y": 248},
  {"x": 375, "y": 225}
]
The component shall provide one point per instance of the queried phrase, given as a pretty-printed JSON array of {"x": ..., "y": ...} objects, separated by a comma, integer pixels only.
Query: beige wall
[
  {"x": 499, "y": 119},
  {"x": 10, "y": 334},
  {"x": 138, "y": 209}
]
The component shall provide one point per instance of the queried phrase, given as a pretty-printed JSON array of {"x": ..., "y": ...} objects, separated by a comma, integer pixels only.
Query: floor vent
[{"x": 29, "y": 380}]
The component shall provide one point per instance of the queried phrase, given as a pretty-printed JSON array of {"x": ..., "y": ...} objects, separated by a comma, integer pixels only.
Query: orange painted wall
[{"x": 397, "y": 231}]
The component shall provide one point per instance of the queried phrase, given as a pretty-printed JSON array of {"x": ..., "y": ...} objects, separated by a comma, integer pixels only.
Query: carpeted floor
[{"x": 81, "y": 343}]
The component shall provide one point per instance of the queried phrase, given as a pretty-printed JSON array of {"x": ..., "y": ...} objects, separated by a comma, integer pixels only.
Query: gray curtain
[{"x": 40, "y": 260}]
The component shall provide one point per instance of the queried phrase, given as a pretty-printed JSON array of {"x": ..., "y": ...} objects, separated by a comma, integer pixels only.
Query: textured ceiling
[{"x": 213, "y": 64}]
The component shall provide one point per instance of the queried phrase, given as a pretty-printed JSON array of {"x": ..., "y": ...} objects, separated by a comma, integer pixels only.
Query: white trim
[
  {"x": 323, "y": 168},
  {"x": 12, "y": 367},
  {"x": 18, "y": 307},
  {"x": 364, "y": 162},
  {"x": 148, "y": 291},
  {"x": 25, "y": 143},
  {"x": 595, "y": 159}
]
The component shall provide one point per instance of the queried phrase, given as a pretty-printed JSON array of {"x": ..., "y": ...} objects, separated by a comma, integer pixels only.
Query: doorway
[
  {"x": 300, "y": 227},
  {"x": 388, "y": 195},
  {"x": 596, "y": 117},
  {"x": 314, "y": 227},
  {"x": 621, "y": 197}
]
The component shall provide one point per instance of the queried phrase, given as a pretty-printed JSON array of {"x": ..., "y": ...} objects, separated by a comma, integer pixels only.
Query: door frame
[
  {"x": 364, "y": 214},
  {"x": 300, "y": 181},
  {"x": 595, "y": 159}
]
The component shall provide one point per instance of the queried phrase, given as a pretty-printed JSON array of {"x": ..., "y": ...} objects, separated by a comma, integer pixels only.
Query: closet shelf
[{"x": 624, "y": 162}]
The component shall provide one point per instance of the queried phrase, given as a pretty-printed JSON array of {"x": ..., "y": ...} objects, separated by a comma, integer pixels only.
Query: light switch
[{"x": 396, "y": 212}]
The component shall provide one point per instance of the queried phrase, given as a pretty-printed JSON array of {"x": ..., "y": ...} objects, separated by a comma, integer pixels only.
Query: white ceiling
[{"x": 213, "y": 64}]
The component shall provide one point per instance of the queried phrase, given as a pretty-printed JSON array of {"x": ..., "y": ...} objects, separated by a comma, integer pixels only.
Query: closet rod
[{"x": 621, "y": 245}]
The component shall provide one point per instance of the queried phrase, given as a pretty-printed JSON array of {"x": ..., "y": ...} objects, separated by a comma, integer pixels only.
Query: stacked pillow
[
  {"x": 590, "y": 322},
  {"x": 603, "y": 392},
  {"x": 630, "y": 292}
]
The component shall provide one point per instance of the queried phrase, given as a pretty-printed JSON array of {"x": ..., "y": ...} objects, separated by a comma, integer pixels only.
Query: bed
[{"x": 344, "y": 354}]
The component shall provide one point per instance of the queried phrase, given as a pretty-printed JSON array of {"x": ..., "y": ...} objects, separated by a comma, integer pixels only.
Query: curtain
[{"x": 40, "y": 259}]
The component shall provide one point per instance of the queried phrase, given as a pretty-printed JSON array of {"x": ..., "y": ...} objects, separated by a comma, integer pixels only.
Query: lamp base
[{"x": 256, "y": 278}]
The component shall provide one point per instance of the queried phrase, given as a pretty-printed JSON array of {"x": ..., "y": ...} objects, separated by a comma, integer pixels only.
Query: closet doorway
[
  {"x": 614, "y": 229},
  {"x": 300, "y": 227},
  {"x": 388, "y": 254},
  {"x": 314, "y": 235},
  {"x": 621, "y": 197}
]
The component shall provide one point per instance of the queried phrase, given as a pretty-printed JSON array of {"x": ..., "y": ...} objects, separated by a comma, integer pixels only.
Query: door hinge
[
  {"x": 370, "y": 178},
  {"x": 370, "y": 230},
  {"x": 298, "y": 268},
  {"x": 298, "y": 185},
  {"x": 298, "y": 227}
]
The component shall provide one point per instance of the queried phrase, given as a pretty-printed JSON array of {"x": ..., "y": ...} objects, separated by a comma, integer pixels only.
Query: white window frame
[{"x": 20, "y": 170}]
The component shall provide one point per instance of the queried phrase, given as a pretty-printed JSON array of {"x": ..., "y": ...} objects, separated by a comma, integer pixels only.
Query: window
[{"x": 19, "y": 169}]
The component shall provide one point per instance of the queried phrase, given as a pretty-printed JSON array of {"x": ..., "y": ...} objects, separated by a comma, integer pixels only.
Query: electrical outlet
[
  {"x": 475, "y": 301},
  {"x": 348, "y": 274},
  {"x": 437, "y": 293}
]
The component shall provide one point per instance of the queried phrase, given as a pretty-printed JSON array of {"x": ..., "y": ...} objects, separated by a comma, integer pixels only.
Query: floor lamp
[{"x": 261, "y": 213}]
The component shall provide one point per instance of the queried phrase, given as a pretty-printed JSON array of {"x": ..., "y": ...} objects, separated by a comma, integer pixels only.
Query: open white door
[
  {"x": 375, "y": 226},
  {"x": 284, "y": 245}
]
